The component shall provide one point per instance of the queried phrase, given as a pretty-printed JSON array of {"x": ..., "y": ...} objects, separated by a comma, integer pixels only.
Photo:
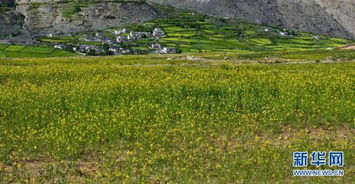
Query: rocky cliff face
[
  {"x": 332, "y": 17},
  {"x": 40, "y": 17}
]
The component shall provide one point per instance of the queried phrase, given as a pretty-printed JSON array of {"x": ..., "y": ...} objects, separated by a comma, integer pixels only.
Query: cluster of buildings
[
  {"x": 115, "y": 45},
  {"x": 99, "y": 37},
  {"x": 287, "y": 33},
  {"x": 124, "y": 36},
  {"x": 284, "y": 32},
  {"x": 51, "y": 35},
  {"x": 159, "y": 49},
  {"x": 93, "y": 49}
]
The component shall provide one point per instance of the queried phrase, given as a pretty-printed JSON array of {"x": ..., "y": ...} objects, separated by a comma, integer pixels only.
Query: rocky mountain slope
[
  {"x": 332, "y": 17},
  {"x": 32, "y": 18}
]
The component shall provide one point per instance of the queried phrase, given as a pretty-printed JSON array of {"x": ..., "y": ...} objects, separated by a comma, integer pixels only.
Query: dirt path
[{"x": 348, "y": 47}]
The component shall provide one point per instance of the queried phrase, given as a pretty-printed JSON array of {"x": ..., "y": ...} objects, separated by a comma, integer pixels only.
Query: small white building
[
  {"x": 155, "y": 46},
  {"x": 283, "y": 33},
  {"x": 316, "y": 37},
  {"x": 115, "y": 49},
  {"x": 119, "y": 32},
  {"x": 121, "y": 39},
  {"x": 158, "y": 32},
  {"x": 61, "y": 46},
  {"x": 167, "y": 50}
]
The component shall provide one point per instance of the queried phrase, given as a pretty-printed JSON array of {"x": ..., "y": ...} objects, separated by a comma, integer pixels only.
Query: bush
[{"x": 71, "y": 10}]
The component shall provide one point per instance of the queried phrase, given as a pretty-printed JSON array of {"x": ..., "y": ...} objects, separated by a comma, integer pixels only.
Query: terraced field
[
  {"x": 193, "y": 32},
  {"x": 18, "y": 51}
]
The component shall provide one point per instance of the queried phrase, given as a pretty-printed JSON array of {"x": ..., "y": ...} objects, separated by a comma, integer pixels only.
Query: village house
[
  {"x": 146, "y": 35},
  {"x": 108, "y": 41},
  {"x": 115, "y": 49},
  {"x": 167, "y": 50},
  {"x": 84, "y": 49},
  {"x": 139, "y": 51},
  {"x": 121, "y": 39},
  {"x": 135, "y": 35},
  {"x": 268, "y": 30},
  {"x": 86, "y": 39},
  {"x": 283, "y": 33},
  {"x": 58, "y": 33},
  {"x": 131, "y": 38},
  {"x": 99, "y": 36},
  {"x": 119, "y": 32},
  {"x": 155, "y": 46},
  {"x": 124, "y": 51},
  {"x": 158, "y": 32},
  {"x": 61, "y": 46},
  {"x": 316, "y": 37}
]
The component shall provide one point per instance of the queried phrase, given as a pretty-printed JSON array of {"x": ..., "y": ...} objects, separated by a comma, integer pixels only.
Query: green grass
[
  {"x": 3, "y": 47},
  {"x": 14, "y": 48},
  {"x": 146, "y": 119},
  {"x": 42, "y": 50}
]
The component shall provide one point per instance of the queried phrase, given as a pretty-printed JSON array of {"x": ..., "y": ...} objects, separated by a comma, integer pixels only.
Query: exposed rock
[
  {"x": 332, "y": 17},
  {"x": 41, "y": 17},
  {"x": 7, "y": 2},
  {"x": 49, "y": 18},
  {"x": 11, "y": 23}
]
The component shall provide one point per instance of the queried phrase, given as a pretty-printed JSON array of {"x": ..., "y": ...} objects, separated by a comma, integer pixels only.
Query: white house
[
  {"x": 316, "y": 37},
  {"x": 167, "y": 50},
  {"x": 283, "y": 33},
  {"x": 155, "y": 46},
  {"x": 121, "y": 39},
  {"x": 61, "y": 46},
  {"x": 158, "y": 32}
]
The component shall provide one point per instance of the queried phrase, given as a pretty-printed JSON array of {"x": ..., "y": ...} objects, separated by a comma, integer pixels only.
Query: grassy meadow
[{"x": 217, "y": 118}]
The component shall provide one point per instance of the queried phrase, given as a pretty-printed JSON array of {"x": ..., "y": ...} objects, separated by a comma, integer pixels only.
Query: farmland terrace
[{"x": 175, "y": 31}]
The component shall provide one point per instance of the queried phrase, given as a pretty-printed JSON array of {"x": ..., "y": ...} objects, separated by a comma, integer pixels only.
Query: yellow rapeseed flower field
[{"x": 104, "y": 121}]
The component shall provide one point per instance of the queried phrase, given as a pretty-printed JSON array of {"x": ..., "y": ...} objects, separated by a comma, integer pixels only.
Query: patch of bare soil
[
  {"x": 348, "y": 47},
  {"x": 287, "y": 137},
  {"x": 52, "y": 170}
]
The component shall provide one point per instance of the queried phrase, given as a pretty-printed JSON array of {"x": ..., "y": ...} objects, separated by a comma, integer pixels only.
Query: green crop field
[
  {"x": 17, "y": 51},
  {"x": 170, "y": 119}
]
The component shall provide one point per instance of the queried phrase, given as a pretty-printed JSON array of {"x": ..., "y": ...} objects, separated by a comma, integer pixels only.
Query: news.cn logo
[{"x": 317, "y": 158}]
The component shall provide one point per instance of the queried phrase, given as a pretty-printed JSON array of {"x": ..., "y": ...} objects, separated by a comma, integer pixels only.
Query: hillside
[
  {"x": 183, "y": 31},
  {"x": 332, "y": 17},
  {"x": 34, "y": 18}
]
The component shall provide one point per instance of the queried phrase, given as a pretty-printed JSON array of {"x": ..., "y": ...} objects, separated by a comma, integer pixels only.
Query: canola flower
[{"x": 100, "y": 122}]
